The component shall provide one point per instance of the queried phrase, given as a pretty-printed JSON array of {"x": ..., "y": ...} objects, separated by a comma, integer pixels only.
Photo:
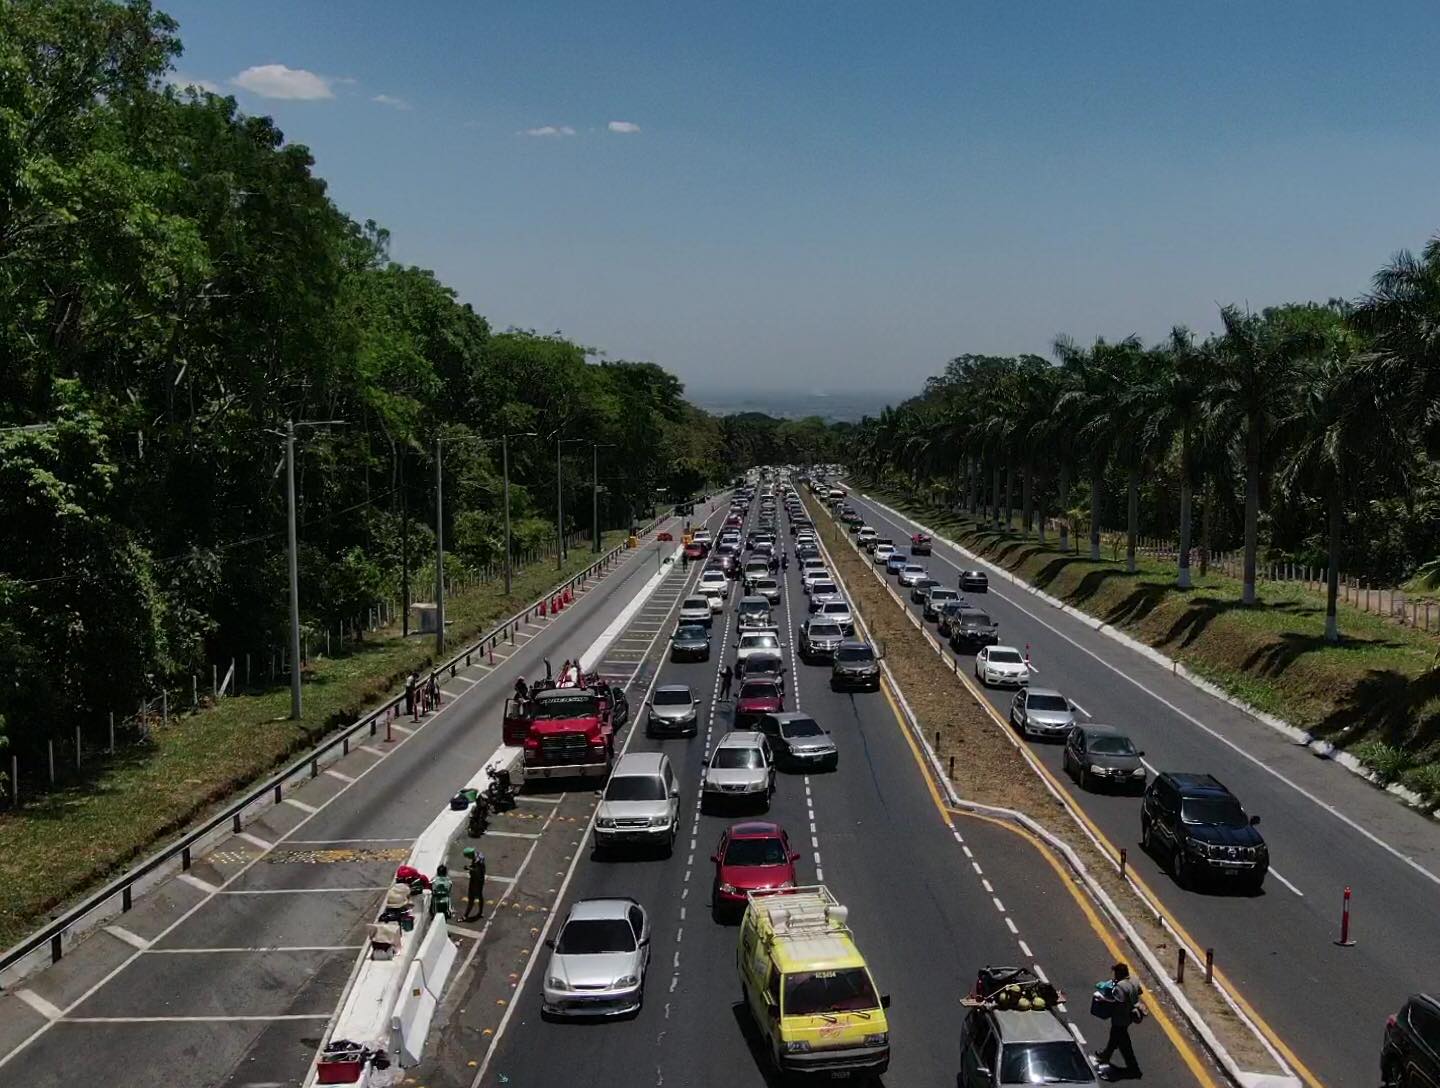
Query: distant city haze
[
  {"x": 796, "y": 404},
  {"x": 768, "y": 195}
]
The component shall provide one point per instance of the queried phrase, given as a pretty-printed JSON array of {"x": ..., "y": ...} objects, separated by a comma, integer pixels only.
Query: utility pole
[
  {"x": 505, "y": 460},
  {"x": 294, "y": 572},
  {"x": 595, "y": 497},
  {"x": 439, "y": 553},
  {"x": 559, "y": 508},
  {"x": 404, "y": 553}
]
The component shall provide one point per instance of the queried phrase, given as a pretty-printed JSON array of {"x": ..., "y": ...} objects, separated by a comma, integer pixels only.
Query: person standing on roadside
[
  {"x": 1123, "y": 997},
  {"x": 410, "y": 682},
  {"x": 475, "y": 893},
  {"x": 726, "y": 676}
]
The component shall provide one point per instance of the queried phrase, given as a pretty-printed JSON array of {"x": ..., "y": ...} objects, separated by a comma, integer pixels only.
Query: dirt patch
[{"x": 984, "y": 766}]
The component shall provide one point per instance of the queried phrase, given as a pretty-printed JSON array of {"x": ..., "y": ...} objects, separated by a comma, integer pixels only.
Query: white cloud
[
  {"x": 623, "y": 127},
  {"x": 278, "y": 81},
  {"x": 549, "y": 130},
  {"x": 181, "y": 80},
  {"x": 391, "y": 100}
]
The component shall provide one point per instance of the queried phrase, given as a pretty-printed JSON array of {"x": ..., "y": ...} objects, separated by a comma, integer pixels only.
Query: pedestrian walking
[
  {"x": 475, "y": 893},
  {"x": 433, "y": 691},
  {"x": 784, "y": 561},
  {"x": 410, "y": 682},
  {"x": 441, "y": 890},
  {"x": 1120, "y": 998},
  {"x": 726, "y": 676}
]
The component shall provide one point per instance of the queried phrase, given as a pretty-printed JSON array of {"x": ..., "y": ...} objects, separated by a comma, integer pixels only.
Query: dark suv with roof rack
[{"x": 1197, "y": 827}]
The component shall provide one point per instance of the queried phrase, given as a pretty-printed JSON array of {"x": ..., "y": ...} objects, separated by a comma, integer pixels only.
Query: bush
[
  {"x": 1387, "y": 761},
  {"x": 1425, "y": 781}
]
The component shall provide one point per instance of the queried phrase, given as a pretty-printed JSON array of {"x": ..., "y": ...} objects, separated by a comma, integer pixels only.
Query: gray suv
[
  {"x": 1000, "y": 1047},
  {"x": 855, "y": 666}
]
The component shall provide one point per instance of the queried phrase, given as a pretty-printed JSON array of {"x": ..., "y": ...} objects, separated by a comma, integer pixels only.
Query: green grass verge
[
  {"x": 68, "y": 842},
  {"x": 1375, "y": 693}
]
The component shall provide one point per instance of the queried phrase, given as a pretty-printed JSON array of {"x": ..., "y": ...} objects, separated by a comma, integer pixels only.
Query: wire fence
[{"x": 32, "y": 771}]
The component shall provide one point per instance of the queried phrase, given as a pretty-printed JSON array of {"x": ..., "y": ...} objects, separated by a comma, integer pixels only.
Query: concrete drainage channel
[{"x": 1283, "y": 1077}]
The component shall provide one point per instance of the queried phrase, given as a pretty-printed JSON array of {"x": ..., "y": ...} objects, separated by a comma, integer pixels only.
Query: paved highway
[
  {"x": 226, "y": 975},
  {"x": 1326, "y": 829},
  {"x": 930, "y": 901}
]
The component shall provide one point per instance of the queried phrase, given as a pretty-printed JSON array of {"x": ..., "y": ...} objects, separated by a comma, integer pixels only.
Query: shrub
[{"x": 1387, "y": 761}]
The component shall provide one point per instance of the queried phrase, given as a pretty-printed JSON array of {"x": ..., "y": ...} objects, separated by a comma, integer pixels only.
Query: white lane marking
[
  {"x": 531, "y": 799},
  {"x": 511, "y": 834},
  {"x": 337, "y": 842},
  {"x": 195, "y": 882},
  {"x": 134, "y": 940},
  {"x": 986, "y": 885},
  {"x": 1287, "y": 883},
  {"x": 464, "y": 680},
  {"x": 39, "y": 1004},
  {"x": 196, "y": 1019},
  {"x": 337, "y": 775},
  {"x": 1039, "y": 972},
  {"x": 378, "y": 754},
  {"x": 1236, "y": 748},
  {"x": 299, "y": 891},
  {"x": 976, "y": 866},
  {"x": 255, "y": 840},
  {"x": 309, "y": 810},
  {"x": 998, "y": 905},
  {"x": 451, "y": 695},
  {"x": 1025, "y": 948},
  {"x": 403, "y": 730},
  {"x": 1080, "y": 708},
  {"x": 968, "y": 854},
  {"x": 1010, "y": 924}
]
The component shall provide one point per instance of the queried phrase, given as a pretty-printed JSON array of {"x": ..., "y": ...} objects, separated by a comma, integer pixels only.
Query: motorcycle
[
  {"x": 479, "y": 816},
  {"x": 501, "y": 791}
]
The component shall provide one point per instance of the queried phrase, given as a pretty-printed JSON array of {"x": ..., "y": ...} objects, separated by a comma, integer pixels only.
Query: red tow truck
[
  {"x": 567, "y": 731},
  {"x": 920, "y": 544}
]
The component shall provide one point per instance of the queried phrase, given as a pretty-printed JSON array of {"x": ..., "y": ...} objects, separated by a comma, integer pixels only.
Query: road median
[{"x": 982, "y": 768}]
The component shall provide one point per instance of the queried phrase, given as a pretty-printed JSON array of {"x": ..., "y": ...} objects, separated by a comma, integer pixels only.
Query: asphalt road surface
[
  {"x": 227, "y": 975},
  {"x": 1326, "y": 830},
  {"x": 930, "y": 902}
]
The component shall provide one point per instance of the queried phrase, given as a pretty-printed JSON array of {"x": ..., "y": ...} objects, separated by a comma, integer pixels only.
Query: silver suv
[
  {"x": 641, "y": 804},
  {"x": 740, "y": 768},
  {"x": 1001, "y": 1047}
]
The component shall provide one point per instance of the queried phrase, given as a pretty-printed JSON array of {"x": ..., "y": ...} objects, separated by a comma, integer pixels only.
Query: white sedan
[
  {"x": 883, "y": 552},
  {"x": 1001, "y": 665}
]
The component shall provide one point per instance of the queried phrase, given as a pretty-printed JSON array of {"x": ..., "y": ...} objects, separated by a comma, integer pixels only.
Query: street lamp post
[
  {"x": 596, "y": 447},
  {"x": 294, "y": 571},
  {"x": 559, "y": 508},
  {"x": 439, "y": 551}
]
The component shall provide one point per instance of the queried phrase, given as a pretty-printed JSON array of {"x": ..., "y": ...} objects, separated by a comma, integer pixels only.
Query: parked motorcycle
[
  {"x": 501, "y": 791},
  {"x": 479, "y": 816}
]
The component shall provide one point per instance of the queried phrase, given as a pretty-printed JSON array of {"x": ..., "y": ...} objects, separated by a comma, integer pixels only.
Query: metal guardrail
[{"x": 123, "y": 886}]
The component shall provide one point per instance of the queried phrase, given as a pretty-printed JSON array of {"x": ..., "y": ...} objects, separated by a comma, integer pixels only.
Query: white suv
[
  {"x": 740, "y": 768},
  {"x": 641, "y": 804},
  {"x": 714, "y": 585}
]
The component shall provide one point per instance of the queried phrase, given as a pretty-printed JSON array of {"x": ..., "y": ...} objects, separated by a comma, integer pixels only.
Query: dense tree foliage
[
  {"x": 1304, "y": 433},
  {"x": 178, "y": 284}
]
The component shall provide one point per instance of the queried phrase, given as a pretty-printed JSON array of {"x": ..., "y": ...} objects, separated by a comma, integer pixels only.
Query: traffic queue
[{"x": 805, "y": 980}]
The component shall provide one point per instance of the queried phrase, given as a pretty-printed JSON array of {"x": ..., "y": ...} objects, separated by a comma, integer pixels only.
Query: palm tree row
[{"x": 1315, "y": 406}]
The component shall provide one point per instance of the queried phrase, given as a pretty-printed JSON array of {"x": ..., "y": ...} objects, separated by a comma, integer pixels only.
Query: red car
[
  {"x": 756, "y": 699},
  {"x": 665, "y": 535},
  {"x": 752, "y": 856},
  {"x": 694, "y": 551},
  {"x": 734, "y": 521},
  {"x": 920, "y": 544}
]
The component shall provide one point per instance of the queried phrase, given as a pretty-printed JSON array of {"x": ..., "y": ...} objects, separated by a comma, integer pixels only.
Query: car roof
[
  {"x": 754, "y": 829},
  {"x": 585, "y": 909},
  {"x": 784, "y": 716},
  {"x": 673, "y": 687},
  {"x": 755, "y": 599},
  {"x": 914, "y": 566},
  {"x": 1097, "y": 729},
  {"x": 1030, "y": 1026},
  {"x": 854, "y": 644},
  {"x": 1032, "y": 690},
  {"x": 740, "y": 738},
  {"x": 1196, "y": 785},
  {"x": 997, "y": 646},
  {"x": 696, "y": 599},
  {"x": 638, "y": 764}
]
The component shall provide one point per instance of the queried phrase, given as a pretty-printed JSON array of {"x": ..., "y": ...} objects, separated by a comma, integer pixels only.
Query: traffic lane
[
  {"x": 1265, "y": 944},
  {"x": 1406, "y": 833}
]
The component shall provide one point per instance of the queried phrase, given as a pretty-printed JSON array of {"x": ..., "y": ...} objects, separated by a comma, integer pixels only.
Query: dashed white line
[
  {"x": 998, "y": 905},
  {"x": 1025, "y": 948},
  {"x": 1009, "y": 922}
]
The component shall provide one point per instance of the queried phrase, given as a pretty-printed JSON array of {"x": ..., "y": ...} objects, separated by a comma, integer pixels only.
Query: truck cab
[
  {"x": 565, "y": 732},
  {"x": 807, "y": 986}
]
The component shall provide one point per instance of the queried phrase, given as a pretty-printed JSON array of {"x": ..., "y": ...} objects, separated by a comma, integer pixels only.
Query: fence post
[
  {"x": 50, "y": 744},
  {"x": 214, "y": 681},
  {"x": 77, "y": 747},
  {"x": 247, "y": 670},
  {"x": 194, "y": 692},
  {"x": 15, "y": 780}
]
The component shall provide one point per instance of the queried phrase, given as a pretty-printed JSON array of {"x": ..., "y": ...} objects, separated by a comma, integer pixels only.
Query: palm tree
[
  {"x": 1176, "y": 406},
  {"x": 1258, "y": 354},
  {"x": 1137, "y": 375},
  {"x": 1093, "y": 375},
  {"x": 1343, "y": 429},
  {"x": 1401, "y": 315}
]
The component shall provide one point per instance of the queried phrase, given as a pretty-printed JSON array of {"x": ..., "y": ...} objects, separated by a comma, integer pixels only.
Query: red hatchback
[
  {"x": 753, "y": 856},
  {"x": 756, "y": 699}
]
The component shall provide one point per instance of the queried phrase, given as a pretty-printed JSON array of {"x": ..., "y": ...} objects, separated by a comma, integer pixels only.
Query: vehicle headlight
[
  {"x": 659, "y": 821},
  {"x": 1138, "y": 772},
  {"x": 797, "y": 1046},
  {"x": 627, "y": 980},
  {"x": 604, "y": 821},
  {"x": 729, "y": 889},
  {"x": 878, "y": 1038},
  {"x": 556, "y": 983}
]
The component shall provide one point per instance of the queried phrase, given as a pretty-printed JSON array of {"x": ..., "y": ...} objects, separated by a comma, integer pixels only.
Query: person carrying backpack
[{"x": 1119, "y": 999}]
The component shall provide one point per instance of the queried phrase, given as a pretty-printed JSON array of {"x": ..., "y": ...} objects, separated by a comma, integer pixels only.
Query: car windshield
[
  {"x": 1112, "y": 746},
  {"x": 566, "y": 704},
  {"x": 1004, "y": 657},
  {"x": 835, "y": 608},
  {"x": 802, "y": 727},
  {"x": 938, "y": 594},
  {"x": 979, "y": 618},
  {"x": 759, "y": 689},
  {"x": 824, "y": 587},
  {"x": 1213, "y": 811},
  {"x": 815, "y": 993},
  {"x": 635, "y": 788},
  {"x": 855, "y": 653},
  {"x": 912, "y": 569},
  {"x": 691, "y": 631},
  {"x": 755, "y": 852},
  {"x": 696, "y": 603},
  {"x": 760, "y": 642},
  {"x": 592, "y": 936},
  {"x": 673, "y": 697},
  {"x": 1044, "y": 1063},
  {"x": 1046, "y": 702},
  {"x": 824, "y": 630},
  {"x": 732, "y": 759},
  {"x": 766, "y": 583}
]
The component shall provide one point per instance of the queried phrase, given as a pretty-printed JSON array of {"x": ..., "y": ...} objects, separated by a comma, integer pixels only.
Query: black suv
[
  {"x": 970, "y": 629},
  {"x": 1410, "y": 1053},
  {"x": 1196, "y": 826},
  {"x": 855, "y": 666},
  {"x": 819, "y": 639}
]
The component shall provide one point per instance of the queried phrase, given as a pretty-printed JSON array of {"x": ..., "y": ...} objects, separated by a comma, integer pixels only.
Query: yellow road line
[{"x": 1182, "y": 1045}]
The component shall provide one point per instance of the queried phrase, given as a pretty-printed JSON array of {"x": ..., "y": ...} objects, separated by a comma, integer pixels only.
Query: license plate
[
  {"x": 840, "y": 1074},
  {"x": 1231, "y": 870}
]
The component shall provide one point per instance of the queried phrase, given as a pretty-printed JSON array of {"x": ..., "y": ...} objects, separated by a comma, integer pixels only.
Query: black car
[
  {"x": 690, "y": 642},
  {"x": 819, "y": 639},
  {"x": 970, "y": 629},
  {"x": 855, "y": 666},
  {"x": 1100, "y": 756},
  {"x": 921, "y": 589},
  {"x": 1198, "y": 828},
  {"x": 977, "y": 581},
  {"x": 948, "y": 613},
  {"x": 1410, "y": 1054}
]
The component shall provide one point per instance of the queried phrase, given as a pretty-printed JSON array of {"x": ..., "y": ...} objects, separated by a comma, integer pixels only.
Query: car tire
[
  {"x": 1147, "y": 838},
  {"x": 1180, "y": 868},
  {"x": 1087, "y": 780}
]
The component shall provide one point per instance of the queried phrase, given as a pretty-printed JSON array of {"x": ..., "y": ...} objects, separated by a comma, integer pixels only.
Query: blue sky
[{"x": 842, "y": 195}]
